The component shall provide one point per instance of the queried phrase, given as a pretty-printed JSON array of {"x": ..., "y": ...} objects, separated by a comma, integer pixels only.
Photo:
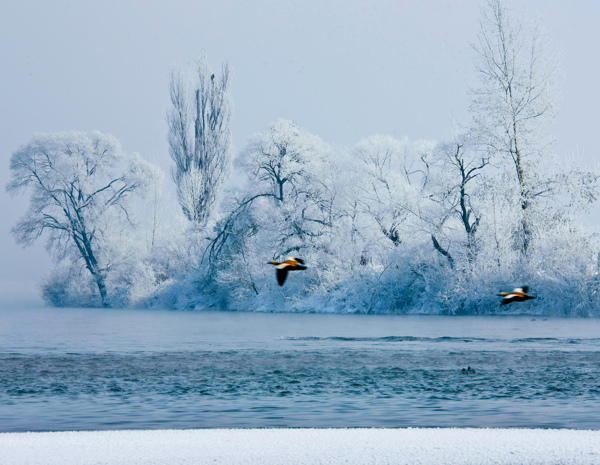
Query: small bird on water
[
  {"x": 291, "y": 264},
  {"x": 519, "y": 294}
]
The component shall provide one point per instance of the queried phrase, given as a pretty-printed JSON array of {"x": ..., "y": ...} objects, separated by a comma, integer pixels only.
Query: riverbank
[{"x": 432, "y": 446}]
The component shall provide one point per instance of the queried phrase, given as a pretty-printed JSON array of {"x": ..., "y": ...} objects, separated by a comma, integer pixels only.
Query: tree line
[{"x": 389, "y": 225}]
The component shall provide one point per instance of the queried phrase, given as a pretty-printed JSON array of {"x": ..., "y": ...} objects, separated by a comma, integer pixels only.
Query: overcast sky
[{"x": 344, "y": 70}]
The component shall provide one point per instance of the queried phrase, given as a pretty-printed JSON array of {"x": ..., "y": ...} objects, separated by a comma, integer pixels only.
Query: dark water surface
[{"x": 89, "y": 369}]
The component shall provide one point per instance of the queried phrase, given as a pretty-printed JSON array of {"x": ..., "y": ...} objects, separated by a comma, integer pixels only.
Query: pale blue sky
[{"x": 343, "y": 70}]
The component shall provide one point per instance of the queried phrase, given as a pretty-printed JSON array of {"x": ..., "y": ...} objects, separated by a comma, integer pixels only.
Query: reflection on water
[{"x": 66, "y": 369}]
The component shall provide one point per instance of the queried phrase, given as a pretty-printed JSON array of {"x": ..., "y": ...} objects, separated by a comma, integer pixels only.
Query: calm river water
[{"x": 90, "y": 369}]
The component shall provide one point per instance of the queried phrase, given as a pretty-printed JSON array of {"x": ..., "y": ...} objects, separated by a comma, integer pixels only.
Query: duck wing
[{"x": 281, "y": 275}]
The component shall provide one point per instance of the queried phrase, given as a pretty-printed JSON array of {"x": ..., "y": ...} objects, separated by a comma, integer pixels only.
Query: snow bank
[{"x": 304, "y": 446}]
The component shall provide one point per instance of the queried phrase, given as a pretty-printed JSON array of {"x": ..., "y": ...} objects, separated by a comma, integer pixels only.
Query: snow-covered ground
[{"x": 304, "y": 446}]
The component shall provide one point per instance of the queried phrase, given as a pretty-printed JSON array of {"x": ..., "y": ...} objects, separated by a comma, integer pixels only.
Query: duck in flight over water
[
  {"x": 519, "y": 294},
  {"x": 291, "y": 264}
]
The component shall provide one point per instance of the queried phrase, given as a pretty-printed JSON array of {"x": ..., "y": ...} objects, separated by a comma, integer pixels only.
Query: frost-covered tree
[
  {"x": 80, "y": 184},
  {"x": 286, "y": 166},
  {"x": 285, "y": 206},
  {"x": 200, "y": 138},
  {"x": 394, "y": 174},
  {"x": 514, "y": 100},
  {"x": 392, "y": 177},
  {"x": 459, "y": 166}
]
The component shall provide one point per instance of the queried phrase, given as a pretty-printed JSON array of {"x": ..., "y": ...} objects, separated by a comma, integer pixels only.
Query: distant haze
[{"x": 343, "y": 70}]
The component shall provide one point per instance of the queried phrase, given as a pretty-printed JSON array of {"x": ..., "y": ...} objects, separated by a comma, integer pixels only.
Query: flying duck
[
  {"x": 519, "y": 294},
  {"x": 291, "y": 264}
]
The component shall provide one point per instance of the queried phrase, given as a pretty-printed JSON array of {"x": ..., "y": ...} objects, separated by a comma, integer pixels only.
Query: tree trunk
[
  {"x": 441, "y": 250},
  {"x": 85, "y": 248},
  {"x": 102, "y": 290},
  {"x": 524, "y": 200}
]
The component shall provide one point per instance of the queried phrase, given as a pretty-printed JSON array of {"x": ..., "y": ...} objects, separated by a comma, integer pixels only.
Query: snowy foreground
[{"x": 304, "y": 446}]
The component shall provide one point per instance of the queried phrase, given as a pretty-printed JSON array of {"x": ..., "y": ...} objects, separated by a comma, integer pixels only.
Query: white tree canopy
[
  {"x": 76, "y": 180},
  {"x": 200, "y": 138},
  {"x": 515, "y": 98}
]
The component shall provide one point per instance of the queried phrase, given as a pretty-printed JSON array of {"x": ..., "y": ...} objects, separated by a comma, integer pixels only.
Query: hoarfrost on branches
[
  {"x": 200, "y": 138},
  {"x": 80, "y": 185},
  {"x": 389, "y": 225},
  {"x": 515, "y": 99}
]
